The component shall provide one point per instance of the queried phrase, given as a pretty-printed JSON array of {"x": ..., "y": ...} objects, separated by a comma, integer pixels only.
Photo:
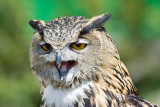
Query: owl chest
[{"x": 64, "y": 98}]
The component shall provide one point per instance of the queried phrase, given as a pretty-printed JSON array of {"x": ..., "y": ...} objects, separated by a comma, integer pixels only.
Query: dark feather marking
[
  {"x": 118, "y": 78},
  {"x": 120, "y": 67},
  {"x": 128, "y": 90},
  {"x": 117, "y": 99},
  {"x": 122, "y": 86},
  {"x": 42, "y": 102},
  {"x": 76, "y": 104},
  {"x": 89, "y": 93},
  {"x": 138, "y": 99},
  {"x": 109, "y": 102},
  {"x": 56, "y": 22},
  {"x": 114, "y": 69},
  {"x": 107, "y": 82},
  {"x": 87, "y": 102},
  {"x": 120, "y": 90},
  {"x": 125, "y": 73},
  {"x": 101, "y": 29},
  {"x": 113, "y": 86},
  {"x": 116, "y": 57},
  {"x": 118, "y": 73},
  {"x": 82, "y": 18},
  {"x": 134, "y": 91},
  {"x": 109, "y": 77},
  {"x": 110, "y": 97},
  {"x": 75, "y": 18},
  {"x": 132, "y": 102}
]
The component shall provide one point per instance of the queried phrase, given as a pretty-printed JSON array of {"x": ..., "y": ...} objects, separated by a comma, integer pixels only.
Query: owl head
[{"x": 70, "y": 50}]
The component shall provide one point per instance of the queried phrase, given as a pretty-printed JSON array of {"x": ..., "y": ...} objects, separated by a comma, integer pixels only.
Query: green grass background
[{"x": 134, "y": 26}]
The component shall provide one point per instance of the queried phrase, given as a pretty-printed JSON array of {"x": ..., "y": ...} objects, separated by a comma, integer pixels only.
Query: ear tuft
[
  {"x": 37, "y": 25},
  {"x": 96, "y": 22}
]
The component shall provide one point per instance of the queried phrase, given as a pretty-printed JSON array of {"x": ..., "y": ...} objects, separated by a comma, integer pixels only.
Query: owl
[{"x": 78, "y": 65}]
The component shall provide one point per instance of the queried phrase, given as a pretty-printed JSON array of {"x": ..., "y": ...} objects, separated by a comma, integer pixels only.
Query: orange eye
[
  {"x": 46, "y": 47},
  {"x": 78, "y": 46}
]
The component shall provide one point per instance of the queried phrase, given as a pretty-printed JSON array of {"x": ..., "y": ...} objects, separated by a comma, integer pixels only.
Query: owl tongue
[{"x": 65, "y": 66}]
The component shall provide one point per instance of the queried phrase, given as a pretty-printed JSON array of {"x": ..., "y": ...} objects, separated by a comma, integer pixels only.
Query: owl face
[{"x": 66, "y": 48}]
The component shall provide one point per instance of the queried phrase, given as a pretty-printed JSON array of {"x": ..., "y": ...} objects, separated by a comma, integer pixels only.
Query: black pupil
[
  {"x": 48, "y": 46},
  {"x": 78, "y": 44}
]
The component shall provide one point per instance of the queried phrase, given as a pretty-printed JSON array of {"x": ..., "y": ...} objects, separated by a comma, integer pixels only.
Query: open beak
[{"x": 63, "y": 66}]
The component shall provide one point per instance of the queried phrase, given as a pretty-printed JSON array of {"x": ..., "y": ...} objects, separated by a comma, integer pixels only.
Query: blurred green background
[{"x": 134, "y": 26}]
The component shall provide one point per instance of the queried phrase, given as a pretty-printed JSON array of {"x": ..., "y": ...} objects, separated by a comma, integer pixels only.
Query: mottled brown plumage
[{"x": 78, "y": 65}]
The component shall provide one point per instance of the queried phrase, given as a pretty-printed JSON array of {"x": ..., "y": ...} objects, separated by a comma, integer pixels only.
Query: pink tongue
[{"x": 65, "y": 66}]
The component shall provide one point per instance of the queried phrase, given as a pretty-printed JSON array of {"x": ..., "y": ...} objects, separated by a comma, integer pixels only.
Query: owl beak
[
  {"x": 58, "y": 60},
  {"x": 63, "y": 66},
  {"x": 58, "y": 64}
]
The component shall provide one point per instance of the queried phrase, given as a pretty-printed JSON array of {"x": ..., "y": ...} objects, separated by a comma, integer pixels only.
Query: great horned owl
[{"x": 78, "y": 65}]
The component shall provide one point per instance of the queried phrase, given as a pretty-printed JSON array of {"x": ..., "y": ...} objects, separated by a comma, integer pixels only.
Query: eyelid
[
  {"x": 42, "y": 43},
  {"x": 83, "y": 41}
]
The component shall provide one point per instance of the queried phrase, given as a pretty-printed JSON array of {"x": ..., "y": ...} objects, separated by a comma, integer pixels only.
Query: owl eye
[
  {"x": 46, "y": 47},
  {"x": 78, "y": 46}
]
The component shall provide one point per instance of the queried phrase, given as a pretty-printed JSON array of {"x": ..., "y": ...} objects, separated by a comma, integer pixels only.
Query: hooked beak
[
  {"x": 58, "y": 60},
  {"x": 63, "y": 66}
]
